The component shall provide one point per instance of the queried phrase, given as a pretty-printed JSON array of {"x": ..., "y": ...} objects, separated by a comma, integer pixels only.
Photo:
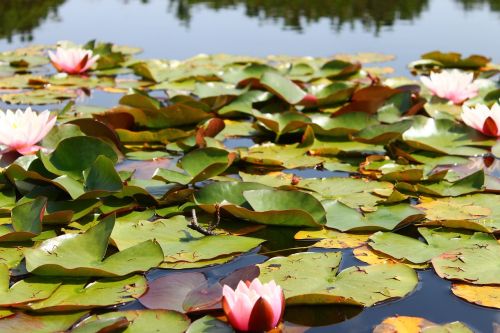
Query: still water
[{"x": 182, "y": 28}]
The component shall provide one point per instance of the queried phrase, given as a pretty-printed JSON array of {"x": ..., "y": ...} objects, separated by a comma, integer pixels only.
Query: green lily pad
[
  {"x": 471, "y": 264},
  {"x": 26, "y": 221},
  {"x": 281, "y": 123},
  {"x": 311, "y": 278},
  {"x": 272, "y": 207},
  {"x": 75, "y": 154},
  {"x": 475, "y": 212},
  {"x": 352, "y": 192},
  {"x": 199, "y": 165},
  {"x": 344, "y": 218},
  {"x": 282, "y": 87},
  {"x": 288, "y": 156},
  {"x": 137, "y": 321},
  {"x": 445, "y": 137},
  {"x": 79, "y": 294},
  {"x": 209, "y": 324},
  {"x": 21, "y": 323},
  {"x": 453, "y": 59},
  {"x": 24, "y": 291},
  {"x": 229, "y": 192},
  {"x": 179, "y": 243},
  {"x": 438, "y": 242},
  {"x": 82, "y": 254},
  {"x": 38, "y": 97}
]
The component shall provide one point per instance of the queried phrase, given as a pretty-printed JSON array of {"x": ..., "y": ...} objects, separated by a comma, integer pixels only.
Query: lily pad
[
  {"x": 471, "y": 264},
  {"x": 344, "y": 218},
  {"x": 24, "y": 291},
  {"x": 403, "y": 324},
  {"x": 21, "y": 323},
  {"x": 354, "y": 193},
  {"x": 311, "y": 278},
  {"x": 445, "y": 137},
  {"x": 82, "y": 254},
  {"x": 179, "y": 243},
  {"x": 209, "y": 324},
  {"x": 331, "y": 239},
  {"x": 438, "y": 242},
  {"x": 285, "y": 208},
  {"x": 475, "y": 212},
  {"x": 488, "y": 296},
  {"x": 199, "y": 165},
  {"x": 137, "y": 321},
  {"x": 81, "y": 294}
]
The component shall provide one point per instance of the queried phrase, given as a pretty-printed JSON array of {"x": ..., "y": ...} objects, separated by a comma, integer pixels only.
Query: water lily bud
[
  {"x": 21, "y": 130},
  {"x": 483, "y": 119},
  {"x": 73, "y": 60},
  {"x": 253, "y": 306},
  {"x": 454, "y": 85}
]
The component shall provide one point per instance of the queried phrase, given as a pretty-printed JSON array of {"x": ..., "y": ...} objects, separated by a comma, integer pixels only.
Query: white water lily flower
[
  {"x": 22, "y": 130},
  {"x": 454, "y": 85}
]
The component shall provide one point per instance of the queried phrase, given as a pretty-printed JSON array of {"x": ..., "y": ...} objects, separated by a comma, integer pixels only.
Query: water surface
[{"x": 183, "y": 28}]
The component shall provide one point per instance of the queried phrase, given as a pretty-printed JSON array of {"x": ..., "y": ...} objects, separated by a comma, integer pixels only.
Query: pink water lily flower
[
  {"x": 72, "y": 60},
  {"x": 254, "y": 307},
  {"x": 483, "y": 119},
  {"x": 22, "y": 130},
  {"x": 455, "y": 85}
]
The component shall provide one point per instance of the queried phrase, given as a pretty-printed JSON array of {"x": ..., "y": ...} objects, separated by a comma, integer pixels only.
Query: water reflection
[
  {"x": 21, "y": 17},
  {"x": 295, "y": 14},
  {"x": 493, "y": 5}
]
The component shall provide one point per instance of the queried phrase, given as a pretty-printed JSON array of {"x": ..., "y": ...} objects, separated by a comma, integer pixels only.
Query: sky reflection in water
[{"x": 183, "y": 28}]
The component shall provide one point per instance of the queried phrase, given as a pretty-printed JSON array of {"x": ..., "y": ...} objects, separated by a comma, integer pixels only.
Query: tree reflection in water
[
  {"x": 373, "y": 14},
  {"x": 21, "y": 17}
]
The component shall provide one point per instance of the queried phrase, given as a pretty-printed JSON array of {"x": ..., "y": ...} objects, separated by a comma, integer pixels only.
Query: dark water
[{"x": 183, "y": 28}]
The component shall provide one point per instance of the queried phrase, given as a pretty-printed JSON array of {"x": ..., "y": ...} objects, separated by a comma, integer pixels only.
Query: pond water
[
  {"x": 180, "y": 29},
  {"x": 183, "y": 28}
]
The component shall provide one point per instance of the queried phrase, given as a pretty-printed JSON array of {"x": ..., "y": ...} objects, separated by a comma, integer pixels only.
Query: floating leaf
[
  {"x": 179, "y": 243},
  {"x": 481, "y": 295},
  {"x": 26, "y": 221},
  {"x": 372, "y": 257},
  {"x": 472, "y": 264},
  {"x": 438, "y": 242},
  {"x": 209, "y": 324},
  {"x": 352, "y": 192},
  {"x": 286, "y": 208},
  {"x": 199, "y": 165},
  {"x": 82, "y": 254},
  {"x": 137, "y": 321},
  {"x": 331, "y": 239},
  {"x": 282, "y": 87},
  {"x": 75, "y": 154},
  {"x": 21, "y": 323},
  {"x": 344, "y": 218},
  {"x": 24, "y": 291},
  {"x": 445, "y": 137},
  {"x": 311, "y": 278},
  {"x": 404, "y": 324},
  {"x": 80, "y": 294},
  {"x": 476, "y": 212}
]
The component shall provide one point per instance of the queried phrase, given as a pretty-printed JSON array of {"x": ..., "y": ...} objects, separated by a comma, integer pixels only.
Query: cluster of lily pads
[{"x": 201, "y": 156}]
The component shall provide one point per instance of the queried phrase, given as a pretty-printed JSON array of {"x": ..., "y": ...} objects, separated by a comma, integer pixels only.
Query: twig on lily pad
[{"x": 209, "y": 231}]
